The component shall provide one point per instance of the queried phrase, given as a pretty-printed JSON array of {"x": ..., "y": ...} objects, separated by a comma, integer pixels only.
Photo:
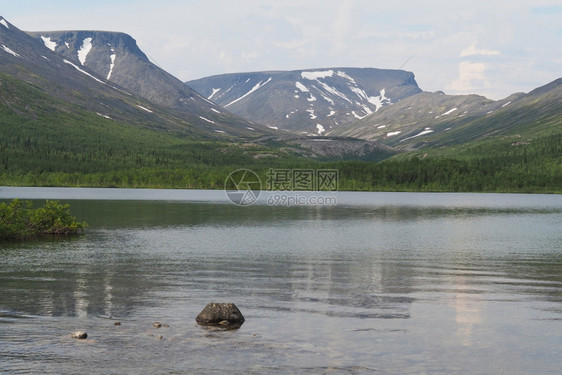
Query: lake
[{"x": 390, "y": 283}]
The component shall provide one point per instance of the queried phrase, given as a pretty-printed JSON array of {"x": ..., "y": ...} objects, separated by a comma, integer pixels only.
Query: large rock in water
[{"x": 224, "y": 315}]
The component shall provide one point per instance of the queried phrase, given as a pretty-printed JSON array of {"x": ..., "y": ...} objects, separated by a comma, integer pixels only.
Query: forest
[{"x": 493, "y": 167}]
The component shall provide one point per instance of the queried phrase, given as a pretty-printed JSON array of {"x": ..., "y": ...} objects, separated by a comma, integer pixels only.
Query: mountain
[
  {"x": 436, "y": 119},
  {"x": 312, "y": 101},
  {"x": 115, "y": 58},
  {"x": 59, "y": 113}
]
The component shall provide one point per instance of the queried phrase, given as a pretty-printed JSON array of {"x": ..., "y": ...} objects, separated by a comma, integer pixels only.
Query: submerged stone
[
  {"x": 224, "y": 315},
  {"x": 81, "y": 335}
]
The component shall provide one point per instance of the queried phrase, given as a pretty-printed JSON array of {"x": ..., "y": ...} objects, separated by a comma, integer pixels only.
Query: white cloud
[
  {"x": 342, "y": 25},
  {"x": 472, "y": 50},
  {"x": 471, "y": 77}
]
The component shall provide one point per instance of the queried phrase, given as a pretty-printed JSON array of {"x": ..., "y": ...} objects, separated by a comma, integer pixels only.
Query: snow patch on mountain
[
  {"x": 4, "y": 23},
  {"x": 328, "y": 99},
  {"x": 256, "y": 87},
  {"x": 112, "y": 65},
  {"x": 144, "y": 108},
  {"x": 334, "y": 91},
  {"x": 346, "y": 76},
  {"x": 291, "y": 113},
  {"x": 84, "y": 50},
  {"x": 357, "y": 116},
  {"x": 83, "y": 71},
  {"x": 449, "y": 112},
  {"x": 213, "y": 94},
  {"x": 301, "y": 87},
  {"x": 10, "y": 51},
  {"x": 379, "y": 101},
  {"x": 423, "y": 132},
  {"x": 317, "y": 75},
  {"x": 206, "y": 119},
  {"x": 104, "y": 116},
  {"x": 312, "y": 114},
  {"x": 360, "y": 93},
  {"x": 320, "y": 129},
  {"x": 49, "y": 43}
]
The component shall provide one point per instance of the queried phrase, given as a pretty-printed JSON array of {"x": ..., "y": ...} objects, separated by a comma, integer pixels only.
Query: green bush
[{"x": 19, "y": 221}]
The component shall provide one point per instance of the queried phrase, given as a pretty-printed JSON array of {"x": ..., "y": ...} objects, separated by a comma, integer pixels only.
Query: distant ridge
[
  {"x": 435, "y": 119},
  {"x": 312, "y": 101}
]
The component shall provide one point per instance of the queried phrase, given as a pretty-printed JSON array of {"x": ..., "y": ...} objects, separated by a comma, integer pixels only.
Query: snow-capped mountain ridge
[{"x": 311, "y": 101}]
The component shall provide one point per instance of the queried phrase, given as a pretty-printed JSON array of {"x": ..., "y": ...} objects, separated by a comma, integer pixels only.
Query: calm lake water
[{"x": 389, "y": 283}]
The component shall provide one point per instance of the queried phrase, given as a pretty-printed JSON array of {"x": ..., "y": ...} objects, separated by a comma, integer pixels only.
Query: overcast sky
[{"x": 488, "y": 47}]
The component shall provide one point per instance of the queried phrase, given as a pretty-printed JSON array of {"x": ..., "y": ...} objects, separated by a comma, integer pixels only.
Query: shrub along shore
[{"x": 19, "y": 221}]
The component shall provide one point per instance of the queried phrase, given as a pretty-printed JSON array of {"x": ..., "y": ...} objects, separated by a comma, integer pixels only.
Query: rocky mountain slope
[
  {"x": 115, "y": 58},
  {"x": 308, "y": 101},
  {"x": 436, "y": 119}
]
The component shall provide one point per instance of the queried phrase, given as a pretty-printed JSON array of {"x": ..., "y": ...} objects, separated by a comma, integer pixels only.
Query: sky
[{"x": 491, "y": 47}]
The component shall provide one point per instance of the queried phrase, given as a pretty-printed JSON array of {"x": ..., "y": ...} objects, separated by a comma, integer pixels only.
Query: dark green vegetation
[
  {"x": 19, "y": 221},
  {"x": 493, "y": 165}
]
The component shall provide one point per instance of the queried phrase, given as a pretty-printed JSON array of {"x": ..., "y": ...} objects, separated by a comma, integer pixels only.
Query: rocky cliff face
[{"x": 117, "y": 58}]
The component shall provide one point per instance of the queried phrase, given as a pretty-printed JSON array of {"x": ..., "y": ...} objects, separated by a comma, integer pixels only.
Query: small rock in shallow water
[
  {"x": 224, "y": 315},
  {"x": 79, "y": 335},
  {"x": 117, "y": 323},
  {"x": 156, "y": 325}
]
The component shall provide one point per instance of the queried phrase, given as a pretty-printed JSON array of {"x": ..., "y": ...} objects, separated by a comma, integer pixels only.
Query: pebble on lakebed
[{"x": 81, "y": 335}]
